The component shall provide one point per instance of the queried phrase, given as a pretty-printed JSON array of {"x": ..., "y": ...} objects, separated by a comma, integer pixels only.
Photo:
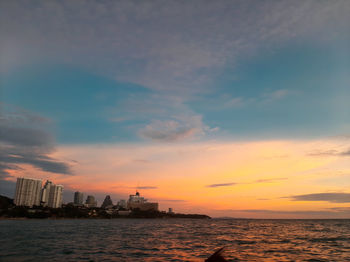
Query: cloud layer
[
  {"x": 23, "y": 140},
  {"x": 331, "y": 152},
  {"x": 178, "y": 51},
  {"x": 221, "y": 185},
  {"x": 264, "y": 180},
  {"x": 329, "y": 197},
  {"x": 181, "y": 128},
  {"x": 158, "y": 44}
]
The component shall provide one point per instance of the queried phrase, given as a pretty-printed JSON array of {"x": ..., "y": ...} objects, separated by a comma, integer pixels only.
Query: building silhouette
[
  {"x": 90, "y": 201},
  {"x": 138, "y": 202},
  {"x": 107, "y": 203},
  {"x": 27, "y": 192},
  {"x": 78, "y": 198}
]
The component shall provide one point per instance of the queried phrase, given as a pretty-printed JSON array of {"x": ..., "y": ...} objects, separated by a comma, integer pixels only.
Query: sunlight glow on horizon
[{"x": 263, "y": 174}]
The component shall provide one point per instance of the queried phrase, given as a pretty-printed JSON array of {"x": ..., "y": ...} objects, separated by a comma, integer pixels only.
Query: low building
[
  {"x": 90, "y": 201},
  {"x": 144, "y": 206},
  {"x": 124, "y": 212},
  {"x": 138, "y": 202},
  {"x": 122, "y": 204}
]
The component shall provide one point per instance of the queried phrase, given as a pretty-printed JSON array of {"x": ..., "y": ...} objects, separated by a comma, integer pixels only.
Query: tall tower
[
  {"x": 45, "y": 192},
  {"x": 78, "y": 198},
  {"x": 27, "y": 192},
  {"x": 55, "y": 196}
]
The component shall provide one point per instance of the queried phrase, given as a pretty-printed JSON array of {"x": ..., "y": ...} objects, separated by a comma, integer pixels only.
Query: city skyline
[
  {"x": 31, "y": 192},
  {"x": 227, "y": 108}
]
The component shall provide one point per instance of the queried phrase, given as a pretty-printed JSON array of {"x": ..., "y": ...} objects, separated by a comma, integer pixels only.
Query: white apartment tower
[
  {"x": 55, "y": 196},
  {"x": 27, "y": 192},
  {"x": 45, "y": 192}
]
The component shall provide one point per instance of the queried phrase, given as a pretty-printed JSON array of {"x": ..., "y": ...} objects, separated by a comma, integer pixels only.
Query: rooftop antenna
[{"x": 138, "y": 185}]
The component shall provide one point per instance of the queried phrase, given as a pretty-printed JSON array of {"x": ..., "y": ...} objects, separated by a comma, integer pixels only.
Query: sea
[{"x": 174, "y": 240}]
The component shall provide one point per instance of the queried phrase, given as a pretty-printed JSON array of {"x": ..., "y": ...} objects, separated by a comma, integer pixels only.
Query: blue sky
[{"x": 297, "y": 91}]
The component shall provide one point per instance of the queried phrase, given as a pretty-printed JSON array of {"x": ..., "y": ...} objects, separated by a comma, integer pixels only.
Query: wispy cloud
[
  {"x": 180, "y": 128},
  {"x": 274, "y": 95},
  {"x": 340, "y": 209},
  {"x": 137, "y": 187},
  {"x": 16, "y": 156},
  {"x": 345, "y": 153},
  {"x": 173, "y": 200},
  {"x": 147, "y": 187},
  {"x": 168, "y": 131},
  {"x": 162, "y": 117},
  {"x": 270, "y": 180},
  {"x": 145, "y": 161},
  {"x": 329, "y": 197},
  {"x": 330, "y": 152},
  {"x": 221, "y": 185},
  {"x": 305, "y": 213},
  {"x": 228, "y": 101},
  {"x": 24, "y": 141},
  {"x": 267, "y": 180}
]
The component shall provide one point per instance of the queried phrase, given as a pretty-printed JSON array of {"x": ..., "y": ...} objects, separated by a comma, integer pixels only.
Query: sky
[{"x": 227, "y": 108}]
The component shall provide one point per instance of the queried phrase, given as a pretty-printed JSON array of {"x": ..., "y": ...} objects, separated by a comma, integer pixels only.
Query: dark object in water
[{"x": 217, "y": 256}]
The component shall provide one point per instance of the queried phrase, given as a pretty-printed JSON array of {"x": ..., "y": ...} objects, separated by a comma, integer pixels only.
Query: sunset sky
[{"x": 227, "y": 108}]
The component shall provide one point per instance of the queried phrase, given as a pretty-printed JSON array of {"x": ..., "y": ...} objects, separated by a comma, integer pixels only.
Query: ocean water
[{"x": 174, "y": 240}]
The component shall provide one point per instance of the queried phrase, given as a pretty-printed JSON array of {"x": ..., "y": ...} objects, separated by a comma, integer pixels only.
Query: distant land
[{"x": 8, "y": 210}]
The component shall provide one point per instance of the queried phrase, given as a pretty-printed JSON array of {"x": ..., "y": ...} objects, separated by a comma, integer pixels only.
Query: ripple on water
[{"x": 174, "y": 240}]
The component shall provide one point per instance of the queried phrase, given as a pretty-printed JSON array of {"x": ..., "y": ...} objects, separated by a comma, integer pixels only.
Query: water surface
[{"x": 174, "y": 240}]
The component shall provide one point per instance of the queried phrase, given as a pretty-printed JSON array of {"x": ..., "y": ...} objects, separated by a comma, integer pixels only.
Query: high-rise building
[
  {"x": 107, "y": 203},
  {"x": 90, "y": 201},
  {"x": 45, "y": 192},
  {"x": 55, "y": 196},
  {"x": 27, "y": 192},
  {"x": 78, "y": 198}
]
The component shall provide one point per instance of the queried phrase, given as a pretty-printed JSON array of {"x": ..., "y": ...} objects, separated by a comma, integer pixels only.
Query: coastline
[{"x": 9, "y": 211}]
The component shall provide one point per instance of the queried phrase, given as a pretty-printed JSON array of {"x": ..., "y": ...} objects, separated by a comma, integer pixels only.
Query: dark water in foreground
[{"x": 174, "y": 240}]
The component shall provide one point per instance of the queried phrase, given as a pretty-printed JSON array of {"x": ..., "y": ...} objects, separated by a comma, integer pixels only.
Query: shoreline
[{"x": 99, "y": 218}]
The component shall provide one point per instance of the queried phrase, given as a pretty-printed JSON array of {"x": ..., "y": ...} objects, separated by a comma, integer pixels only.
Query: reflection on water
[{"x": 174, "y": 240}]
